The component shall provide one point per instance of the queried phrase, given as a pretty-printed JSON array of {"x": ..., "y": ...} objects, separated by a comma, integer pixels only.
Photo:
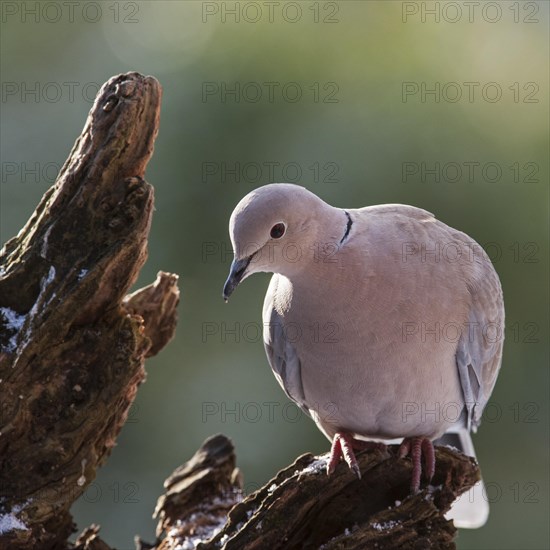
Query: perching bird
[{"x": 380, "y": 322}]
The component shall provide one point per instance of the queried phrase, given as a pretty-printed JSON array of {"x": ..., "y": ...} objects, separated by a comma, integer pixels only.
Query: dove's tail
[{"x": 471, "y": 509}]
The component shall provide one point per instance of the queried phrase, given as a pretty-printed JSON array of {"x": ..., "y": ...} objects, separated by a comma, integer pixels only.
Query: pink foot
[
  {"x": 418, "y": 447},
  {"x": 343, "y": 445}
]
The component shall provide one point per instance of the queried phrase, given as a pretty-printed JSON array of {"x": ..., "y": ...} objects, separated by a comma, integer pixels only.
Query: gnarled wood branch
[
  {"x": 72, "y": 348},
  {"x": 303, "y": 508}
]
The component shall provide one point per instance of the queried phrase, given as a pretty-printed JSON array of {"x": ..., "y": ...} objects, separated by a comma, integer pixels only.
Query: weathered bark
[
  {"x": 72, "y": 348},
  {"x": 303, "y": 508}
]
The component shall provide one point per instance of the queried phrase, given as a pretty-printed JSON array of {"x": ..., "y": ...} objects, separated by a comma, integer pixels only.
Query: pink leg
[
  {"x": 429, "y": 458},
  {"x": 342, "y": 447},
  {"x": 335, "y": 454},
  {"x": 418, "y": 448}
]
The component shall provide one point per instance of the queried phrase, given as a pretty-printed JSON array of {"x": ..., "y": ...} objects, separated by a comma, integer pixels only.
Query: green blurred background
[{"x": 347, "y": 139}]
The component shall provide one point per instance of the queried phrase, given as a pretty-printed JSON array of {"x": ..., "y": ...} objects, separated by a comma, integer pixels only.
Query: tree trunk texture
[
  {"x": 302, "y": 508},
  {"x": 72, "y": 353},
  {"x": 72, "y": 346}
]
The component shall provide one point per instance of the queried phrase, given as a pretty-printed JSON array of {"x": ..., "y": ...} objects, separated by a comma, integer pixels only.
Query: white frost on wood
[
  {"x": 43, "y": 286},
  {"x": 201, "y": 533},
  {"x": 14, "y": 323},
  {"x": 10, "y": 522},
  {"x": 385, "y": 526},
  {"x": 34, "y": 310},
  {"x": 317, "y": 466}
]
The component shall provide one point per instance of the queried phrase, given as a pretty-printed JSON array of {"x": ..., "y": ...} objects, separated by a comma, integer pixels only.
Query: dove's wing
[
  {"x": 479, "y": 351},
  {"x": 281, "y": 353}
]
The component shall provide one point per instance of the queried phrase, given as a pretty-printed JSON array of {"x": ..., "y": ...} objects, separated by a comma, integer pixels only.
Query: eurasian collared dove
[{"x": 380, "y": 322}]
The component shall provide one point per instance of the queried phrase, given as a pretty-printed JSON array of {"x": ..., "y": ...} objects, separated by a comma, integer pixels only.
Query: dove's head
[{"x": 275, "y": 229}]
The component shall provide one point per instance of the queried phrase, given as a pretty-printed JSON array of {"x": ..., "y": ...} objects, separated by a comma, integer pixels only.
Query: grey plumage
[{"x": 382, "y": 323}]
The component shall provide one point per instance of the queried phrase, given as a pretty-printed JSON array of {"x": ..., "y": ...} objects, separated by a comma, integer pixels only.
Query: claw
[
  {"x": 418, "y": 448},
  {"x": 355, "y": 469},
  {"x": 342, "y": 447}
]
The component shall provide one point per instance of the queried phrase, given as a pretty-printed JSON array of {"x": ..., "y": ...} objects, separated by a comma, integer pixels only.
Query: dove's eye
[{"x": 278, "y": 230}]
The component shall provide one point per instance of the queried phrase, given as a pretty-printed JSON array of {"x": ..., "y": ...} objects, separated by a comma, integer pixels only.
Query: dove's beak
[{"x": 236, "y": 274}]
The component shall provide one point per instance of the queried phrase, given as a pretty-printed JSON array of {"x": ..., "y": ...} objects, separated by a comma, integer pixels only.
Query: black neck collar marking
[{"x": 348, "y": 227}]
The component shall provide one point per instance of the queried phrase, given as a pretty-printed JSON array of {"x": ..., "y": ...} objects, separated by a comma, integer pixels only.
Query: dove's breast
[{"x": 376, "y": 331}]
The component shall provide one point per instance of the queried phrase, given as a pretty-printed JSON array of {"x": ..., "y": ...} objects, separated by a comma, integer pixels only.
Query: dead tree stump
[
  {"x": 303, "y": 508},
  {"x": 72, "y": 347}
]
